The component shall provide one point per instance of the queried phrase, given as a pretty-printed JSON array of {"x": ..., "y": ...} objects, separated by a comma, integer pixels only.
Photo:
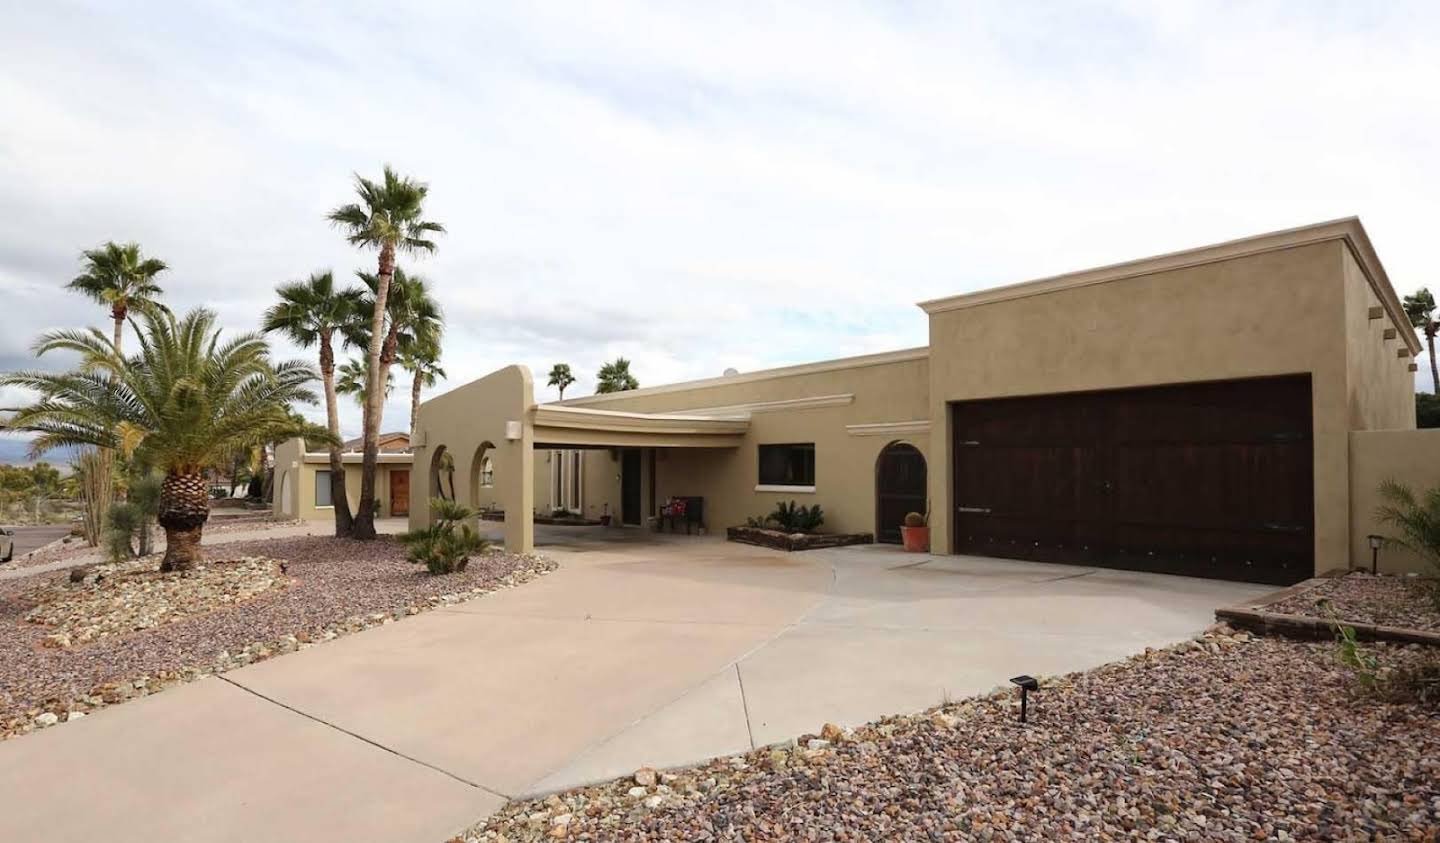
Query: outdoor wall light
[
  {"x": 514, "y": 430},
  {"x": 1026, "y": 685},
  {"x": 1375, "y": 543}
]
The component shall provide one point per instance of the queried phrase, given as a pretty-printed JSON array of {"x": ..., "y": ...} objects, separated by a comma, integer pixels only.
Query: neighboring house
[
  {"x": 1224, "y": 411},
  {"x": 302, "y": 484}
]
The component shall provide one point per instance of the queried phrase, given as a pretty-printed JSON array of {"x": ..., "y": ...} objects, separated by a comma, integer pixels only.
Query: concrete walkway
[{"x": 634, "y": 653}]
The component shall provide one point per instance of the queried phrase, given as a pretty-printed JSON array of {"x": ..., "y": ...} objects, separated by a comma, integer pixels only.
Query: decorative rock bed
[
  {"x": 1222, "y": 738},
  {"x": 781, "y": 540},
  {"x": 1385, "y": 608},
  {"x": 329, "y": 587}
]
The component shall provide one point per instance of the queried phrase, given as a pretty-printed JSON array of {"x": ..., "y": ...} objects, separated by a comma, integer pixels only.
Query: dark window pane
[
  {"x": 787, "y": 465},
  {"x": 322, "y": 489}
]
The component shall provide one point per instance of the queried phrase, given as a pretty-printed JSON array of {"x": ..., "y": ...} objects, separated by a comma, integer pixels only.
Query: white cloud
[{"x": 700, "y": 186}]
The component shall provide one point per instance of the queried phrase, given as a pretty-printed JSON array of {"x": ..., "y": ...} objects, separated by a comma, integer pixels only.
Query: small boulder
[
  {"x": 49, "y": 718},
  {"x": 832, "y": 733},
  {"x": 646, "y": 777}
]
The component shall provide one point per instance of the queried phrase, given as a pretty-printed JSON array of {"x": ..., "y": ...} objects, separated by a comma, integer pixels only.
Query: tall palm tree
[
  {"x": 422, "y": 361},
  {"x": 1420, "y": 307},
  {"x": 561, "y": 376},
  {"x": 119, "y": 275},
  {"x": 310, "y": 313},
  {"x": 182, "y": 404},
  {"x": 389, "y": 218},
  {"x": 615, "y": 377},
  {"x": 413, "y": 323}
]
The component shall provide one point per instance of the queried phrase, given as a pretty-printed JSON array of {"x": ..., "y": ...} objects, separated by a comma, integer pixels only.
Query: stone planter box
[
  {"x": 780, "y": 540},
  {"x": 1253, "y": 616},
  {"x": 496, "y": 515}
]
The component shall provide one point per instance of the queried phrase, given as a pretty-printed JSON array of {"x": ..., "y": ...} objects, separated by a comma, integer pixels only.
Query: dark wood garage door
[{"x": 1209, "y": 479}]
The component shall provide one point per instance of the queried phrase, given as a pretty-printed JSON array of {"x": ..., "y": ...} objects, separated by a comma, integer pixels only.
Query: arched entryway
[
  {"x": 482, "y": 476},
  {"x": 442, "y": 474},
  {"x": 287, "y": 495},
  {"x": 899, "y": 488}
]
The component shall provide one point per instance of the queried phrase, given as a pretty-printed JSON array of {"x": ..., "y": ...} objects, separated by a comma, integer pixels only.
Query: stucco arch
[
  {"x": 901, "y": 486},
  {"x": 287, "y": 494},
  {"x": 441, "y": 478},
  {"x": 482, "y": 468}
]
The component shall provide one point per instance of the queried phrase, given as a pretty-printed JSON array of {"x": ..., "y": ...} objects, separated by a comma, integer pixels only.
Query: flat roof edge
[{"x": 837, "y": 364}]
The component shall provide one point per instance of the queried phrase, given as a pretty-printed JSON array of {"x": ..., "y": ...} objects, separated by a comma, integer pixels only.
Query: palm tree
[
  {"x": 310, "y": 313},
  {"x": 389, "y": 218},
  {"x": 422, "y": 361},
  {"x": 182, "y": 404},
  {"x": 351, "y": 380},
  {"x": 615, "y": 377},
  {"x": 561, "y": 376},
  {"x": 1420, "y": 307},
  {"x": 413, "y": 324},
  {"x": 118, "y": 275}
]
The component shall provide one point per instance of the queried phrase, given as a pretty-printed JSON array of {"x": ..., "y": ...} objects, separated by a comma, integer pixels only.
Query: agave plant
[
  {"x": 445, "y": 547},
  {"x": 182, "y": 404}
]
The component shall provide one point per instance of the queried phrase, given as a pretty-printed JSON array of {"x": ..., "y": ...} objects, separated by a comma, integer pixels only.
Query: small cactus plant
[{"x": 914, "y": 519}]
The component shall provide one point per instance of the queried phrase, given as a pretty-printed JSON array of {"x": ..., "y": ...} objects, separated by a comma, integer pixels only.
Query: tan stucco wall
[
  {"x": 1381, "y": 385},
  {"x": 289, "y": 461},
  {"x": 1411, "y": 457},
  {"x": 1272, "y": 313},
  {"x": 470, "y": 421},
  {"x": 726, "y": 477}
]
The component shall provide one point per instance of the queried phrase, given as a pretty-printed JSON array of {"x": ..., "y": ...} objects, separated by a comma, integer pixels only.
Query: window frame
[
  {"x": 322, "y": 481},
  {"x": 789, "y": 482}
]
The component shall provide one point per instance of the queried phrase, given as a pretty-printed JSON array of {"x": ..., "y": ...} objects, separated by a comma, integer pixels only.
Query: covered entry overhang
[{"x": 490, "y": 429}]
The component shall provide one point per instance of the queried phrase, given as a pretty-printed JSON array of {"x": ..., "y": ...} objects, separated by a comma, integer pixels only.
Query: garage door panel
[{"x": 1207, "y": 479}]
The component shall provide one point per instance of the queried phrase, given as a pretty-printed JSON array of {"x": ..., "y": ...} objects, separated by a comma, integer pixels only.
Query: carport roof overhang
[{"x": 581, "y": 427}]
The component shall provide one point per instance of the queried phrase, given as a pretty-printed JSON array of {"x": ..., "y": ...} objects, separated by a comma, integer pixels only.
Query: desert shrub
[
  {"x": 797, "y": 518},
  {"x": 914, "y": 519},
  {"x": 445, "y": 546},
  {"x": 1361, "y": 662},
  {"x": 758, "y": 521},
  {"x": 122, "y": 521}
]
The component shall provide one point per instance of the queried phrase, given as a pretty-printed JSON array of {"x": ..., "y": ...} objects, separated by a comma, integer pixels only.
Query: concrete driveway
[{"x": 656, "y": 652}]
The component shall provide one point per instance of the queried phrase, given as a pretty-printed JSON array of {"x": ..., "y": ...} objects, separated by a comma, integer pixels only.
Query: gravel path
[
  {"x": 1404, "y": 602},
  {"x": 1224, "y": 738},
  {"x": 337, "y": 586}
]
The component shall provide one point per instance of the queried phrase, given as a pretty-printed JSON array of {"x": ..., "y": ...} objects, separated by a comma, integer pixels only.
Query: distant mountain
[{"x": 17, "y": 452}]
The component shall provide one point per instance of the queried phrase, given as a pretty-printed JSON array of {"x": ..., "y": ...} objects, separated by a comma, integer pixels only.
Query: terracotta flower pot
[{"x": 915, "y": 539}]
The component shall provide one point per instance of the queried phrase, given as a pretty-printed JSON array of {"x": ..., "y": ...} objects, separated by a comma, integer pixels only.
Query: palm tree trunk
[
  {"x": 118, "y": 314},
  {"x": 344, "y": 522},
  {"x": 1430, "y": 331},
  {"x": 414, "y": 405},
  {"x": 184, "y": 508},
  {"x": 374, "y": 398}
]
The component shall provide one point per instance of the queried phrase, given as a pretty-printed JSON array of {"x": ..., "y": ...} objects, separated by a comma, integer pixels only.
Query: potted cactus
[{"x": 915, "y": 533}]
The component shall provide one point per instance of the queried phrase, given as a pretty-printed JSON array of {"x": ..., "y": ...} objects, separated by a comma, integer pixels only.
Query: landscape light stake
[
  {"x": 1375, "y": 542},
  {"x": 1027, "y": 684}
]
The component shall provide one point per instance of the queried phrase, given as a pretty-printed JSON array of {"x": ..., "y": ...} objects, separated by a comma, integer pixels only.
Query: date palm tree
[
  {"x": 1420, "y": 307},
  {"x": 390, "y": 218},
  {"x": 311, "y": 313},
  {"x": 185, "y": 402},
  {"x": 615, "y": 377},
  {"x": 561, "y": 377},
  {"x": 120, "y": 276},
  {"x": 422, "y": 361}
]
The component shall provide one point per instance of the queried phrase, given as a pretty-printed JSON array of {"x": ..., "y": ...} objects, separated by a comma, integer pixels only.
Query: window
[
  {"x": 322, "y": 489},
  {"x": 487, "y": 473},
  {"x": 567, "y": 480},
  {"x": 788, "y": 466}
]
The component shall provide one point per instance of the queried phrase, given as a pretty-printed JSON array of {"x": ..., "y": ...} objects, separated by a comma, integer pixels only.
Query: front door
[
  {"x": 400, "y": 492},
  {"x": 899, "y": 489},
  {"x": 630, "y": 486}
]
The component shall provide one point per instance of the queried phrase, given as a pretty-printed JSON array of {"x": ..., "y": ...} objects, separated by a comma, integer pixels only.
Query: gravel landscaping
[
  {"x": 233, "y": 611},
  {"x": 1404, "y": 602},
  {"x": 1227, "y": 737}
]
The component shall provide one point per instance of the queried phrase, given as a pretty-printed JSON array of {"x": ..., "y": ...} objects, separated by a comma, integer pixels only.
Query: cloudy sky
[{"x": 698, "y": 186}]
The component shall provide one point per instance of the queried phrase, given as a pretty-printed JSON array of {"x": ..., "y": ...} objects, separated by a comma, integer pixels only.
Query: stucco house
[
  {"x": 302, "y": 478},
  {"x": 1224, "y": 411}
]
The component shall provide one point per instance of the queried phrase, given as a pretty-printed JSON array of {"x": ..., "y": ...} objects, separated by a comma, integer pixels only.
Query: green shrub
[
  {"x": 122, "y": 521},
  {"x": 445, "y": 546},
  {"x": 1418, "y": 521},
  {"x": 761, "y": 522},
  {"x": 796, "y": 518}
]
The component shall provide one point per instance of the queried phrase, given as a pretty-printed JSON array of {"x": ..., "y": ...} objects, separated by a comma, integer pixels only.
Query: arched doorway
[{"x": 899, "y": 488}]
